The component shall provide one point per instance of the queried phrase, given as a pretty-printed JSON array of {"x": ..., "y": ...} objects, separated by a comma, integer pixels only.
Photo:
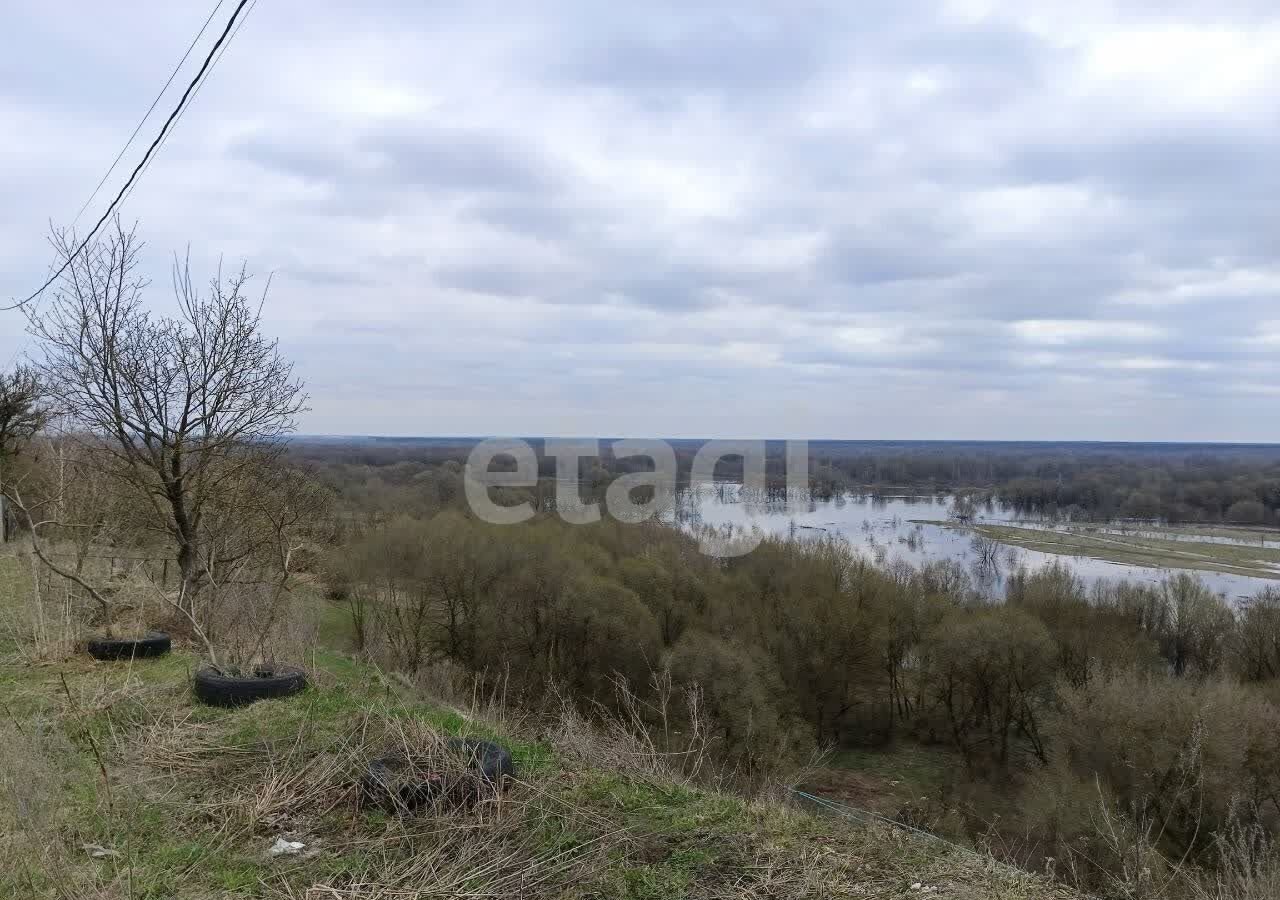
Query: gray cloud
[
  {"x": 408, "y": 159},
  {"x": 872, "y": 220}
]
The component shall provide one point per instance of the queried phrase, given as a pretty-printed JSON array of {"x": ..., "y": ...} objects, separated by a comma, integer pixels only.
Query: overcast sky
[{"x": 1036, "y": 220}]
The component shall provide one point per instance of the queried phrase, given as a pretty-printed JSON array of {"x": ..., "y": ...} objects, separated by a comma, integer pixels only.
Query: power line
[
  {"x": 150, "y": 110},
  {"x": 223, "y": 52},
  {"x": 145, "y": 159},
  {"x": 196, "y": 93}
]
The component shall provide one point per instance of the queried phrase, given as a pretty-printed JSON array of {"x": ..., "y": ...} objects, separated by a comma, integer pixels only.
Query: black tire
[
  {"x": 389, "y": 785},
  {"x": 390, "y": 782},
  {"x": 155, "y": 643},
  {"x": 492, "y": 761},
  {"x": 216, "y": 689}
]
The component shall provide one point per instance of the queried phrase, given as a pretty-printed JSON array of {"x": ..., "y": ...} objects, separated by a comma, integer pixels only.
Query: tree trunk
[
  {"x": 4, "y": 511},
  {"x": 189, "y": 572}
]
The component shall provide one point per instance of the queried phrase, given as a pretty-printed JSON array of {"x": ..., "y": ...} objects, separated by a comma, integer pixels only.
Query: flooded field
[{"x": 921, "y": 529}]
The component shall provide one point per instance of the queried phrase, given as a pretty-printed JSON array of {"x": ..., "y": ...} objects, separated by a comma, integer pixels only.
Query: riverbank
[{"x": 1178, "y": 550}]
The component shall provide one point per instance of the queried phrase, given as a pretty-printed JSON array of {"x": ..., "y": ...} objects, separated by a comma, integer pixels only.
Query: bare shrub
[
  {"x": 1248, "y": 865},
  {"x": 624, "y": 738},
  {"x": 1176, "y": 765},
  {"x": 41, "y": 615},
  {"x": 259, "y": 625}
]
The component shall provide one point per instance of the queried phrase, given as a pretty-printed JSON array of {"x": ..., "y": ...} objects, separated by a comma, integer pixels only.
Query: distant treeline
[
  {"x": 1238, "y": 484},
  {"x": 1179, "y": 483}
]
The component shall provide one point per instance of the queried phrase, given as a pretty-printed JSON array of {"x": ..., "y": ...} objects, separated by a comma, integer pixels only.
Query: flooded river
[{"x": 913, "y": 529}]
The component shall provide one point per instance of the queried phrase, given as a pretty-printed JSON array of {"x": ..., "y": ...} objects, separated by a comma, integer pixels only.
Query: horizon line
[{"x": 1011, "y": 441}]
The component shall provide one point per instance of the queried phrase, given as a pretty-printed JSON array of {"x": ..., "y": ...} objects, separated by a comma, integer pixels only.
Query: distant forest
[{"x": 1237, "y": 484}]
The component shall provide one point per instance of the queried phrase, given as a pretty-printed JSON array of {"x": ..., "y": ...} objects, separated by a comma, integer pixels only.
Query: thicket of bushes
[{"x": 1112, "y": 734}]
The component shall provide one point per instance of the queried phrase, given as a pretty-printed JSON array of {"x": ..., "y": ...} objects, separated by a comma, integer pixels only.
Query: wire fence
[
  {"x": 155, "y": 568},
  {"x": 867, "y": 817}
]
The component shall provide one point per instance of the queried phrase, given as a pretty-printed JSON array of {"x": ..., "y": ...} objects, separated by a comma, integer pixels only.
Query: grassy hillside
[{"x": 114, "y": 784}]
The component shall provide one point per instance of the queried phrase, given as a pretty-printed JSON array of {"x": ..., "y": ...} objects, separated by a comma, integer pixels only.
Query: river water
[{"x": 910, "y": 529}]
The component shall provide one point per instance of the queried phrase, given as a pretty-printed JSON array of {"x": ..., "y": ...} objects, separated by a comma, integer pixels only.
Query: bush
[
  {"x": 741, "y": 691},
  {"x": 1255, "y": 651},
  {"x": 990, "y": 670},
  {"x": 1186, "y": 759}
]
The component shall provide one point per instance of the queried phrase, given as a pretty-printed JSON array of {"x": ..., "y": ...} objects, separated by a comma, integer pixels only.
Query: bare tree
[
  {"x": 22, "y": 414},
  {"x": 986, "y": 553},
  {"x": 188, "y": 411}
]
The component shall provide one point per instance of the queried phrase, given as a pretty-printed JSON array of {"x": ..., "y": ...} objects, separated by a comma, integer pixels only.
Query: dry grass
[
  {"x": 28, "y": 779},
  {"x": 296, "y": 785},
  {"x": 186, "y": 801},
  {"x": 1249, "y": 869},
  {"x": 45, "y": 618}
]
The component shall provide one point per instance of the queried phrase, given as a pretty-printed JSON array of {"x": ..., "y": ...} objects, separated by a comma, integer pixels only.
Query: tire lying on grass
[
  {"x": 154, "y": 643},
  {"x": 396, "y": 784},
  {"x": 491, "y": 761},
  {"x": 217, "y": 689}
]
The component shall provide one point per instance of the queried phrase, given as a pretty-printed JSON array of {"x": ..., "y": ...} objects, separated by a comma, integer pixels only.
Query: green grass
[
  {"x": 15, "y": 588},
  {"x": 922, "y": 770},
  {"x": 1234, "y": 532},
  {"x": 901, "y": 781},
  {"x": 1135, "y": 550}
]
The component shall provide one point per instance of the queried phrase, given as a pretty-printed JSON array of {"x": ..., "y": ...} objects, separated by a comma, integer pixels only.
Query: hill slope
[{"x": 114, "y": 784}]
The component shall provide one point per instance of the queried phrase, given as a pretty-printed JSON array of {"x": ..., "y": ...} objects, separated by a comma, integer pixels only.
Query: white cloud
[
  {"x": 1157, "y": 364},
  {"x": 1069, "y": 331},
  {"x": 1178, "y": 287},
  {"x": 1184, "y": 64}
]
